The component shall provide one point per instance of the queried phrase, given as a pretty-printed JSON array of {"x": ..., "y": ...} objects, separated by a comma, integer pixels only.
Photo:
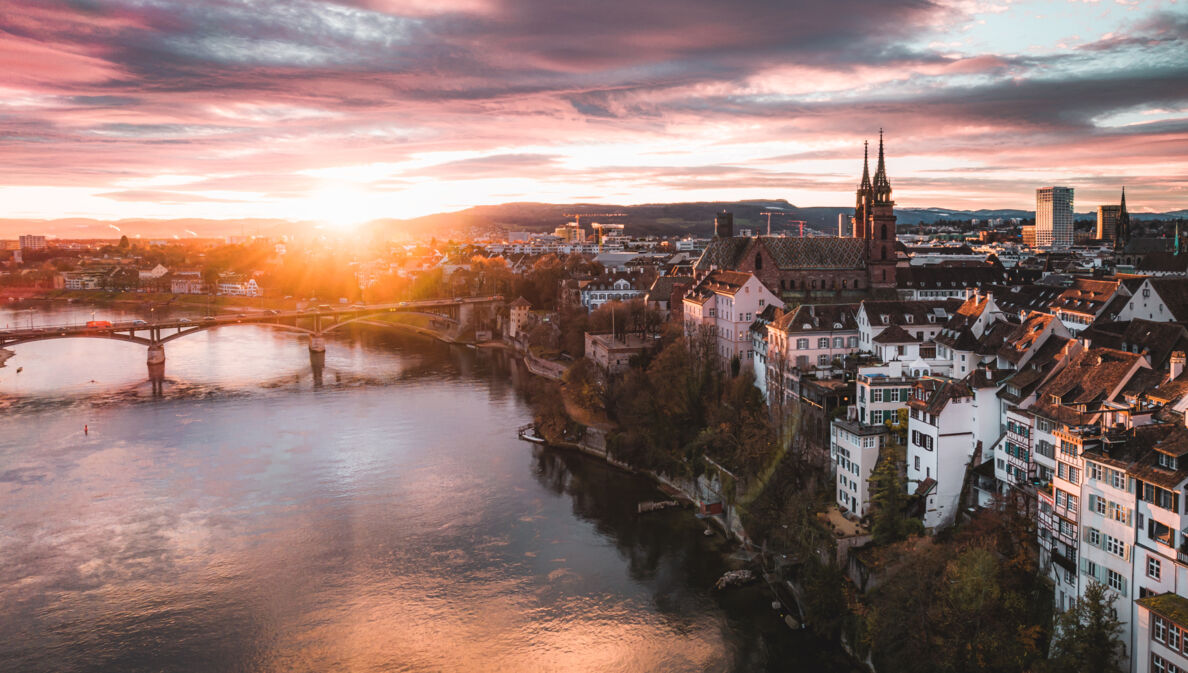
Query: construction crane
[
  {"x": 769, "y": 213},
  {"x": 577, "y": 218}
]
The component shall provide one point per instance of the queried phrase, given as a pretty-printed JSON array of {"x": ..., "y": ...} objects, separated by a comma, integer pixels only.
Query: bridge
[{"x": 452, "y": 314}]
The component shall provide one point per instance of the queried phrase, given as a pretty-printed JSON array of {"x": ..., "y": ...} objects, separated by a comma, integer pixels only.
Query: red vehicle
[{"x": 98, "y": 324}]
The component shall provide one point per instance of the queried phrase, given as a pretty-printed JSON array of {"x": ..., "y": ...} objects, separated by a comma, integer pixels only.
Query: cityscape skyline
[{"x": 351, "y": 111}]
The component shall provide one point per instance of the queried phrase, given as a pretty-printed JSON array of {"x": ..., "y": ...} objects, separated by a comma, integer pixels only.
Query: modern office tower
[
  {"x": 1107, "y": 222},
  {"x": 1054, "y": 217}
]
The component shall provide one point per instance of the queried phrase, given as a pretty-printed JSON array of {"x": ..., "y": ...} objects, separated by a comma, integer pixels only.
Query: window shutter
[
  {"x": 1123, "y": 590},
  {"x": 1092, "y": 503},
  {"x": 1084, "y": 565}
]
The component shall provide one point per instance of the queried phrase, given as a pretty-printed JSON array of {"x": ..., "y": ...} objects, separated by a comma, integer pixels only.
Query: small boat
[{"x": 651, "y": 506}]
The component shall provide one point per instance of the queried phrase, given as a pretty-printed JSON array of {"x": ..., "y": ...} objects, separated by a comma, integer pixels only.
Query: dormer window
[
  {"x": 1054, "y": 399},
  {"x": 1166, "y": 461}
]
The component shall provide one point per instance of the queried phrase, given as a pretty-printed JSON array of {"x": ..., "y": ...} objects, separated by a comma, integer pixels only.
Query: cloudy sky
[{"x": 346, "y": 110}]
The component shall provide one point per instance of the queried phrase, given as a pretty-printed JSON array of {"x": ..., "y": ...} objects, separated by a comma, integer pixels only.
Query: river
[{"x": 388, "y": 520}]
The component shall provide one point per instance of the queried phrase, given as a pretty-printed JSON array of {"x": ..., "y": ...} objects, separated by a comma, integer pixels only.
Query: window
[
  {"x": 1161, "y": 533},
  {"x": 823, "y": 342},
  {"x": 1094, "y": 537},
  {"x": 1116, "y": 581},
  {"x": 822, "y": 359},
  {"x": 839, "y": 342},
  {"x": 917, "y": 463},
  {"x": 1154, "y": 568},
  {"x": 1095, "y": 471},
  {"x": 852, "y": 342},
  {"x": 1166, "y": 461},
  {"x": 1161, "y": 665},
  {"x": 1115, "y": 546},
  {"x": 876, "y": 394},
  {"x": 802, "y": 344}
]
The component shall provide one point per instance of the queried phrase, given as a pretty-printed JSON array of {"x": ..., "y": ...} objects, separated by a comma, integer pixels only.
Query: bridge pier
[
  {"x": 317, "y": 358},
  {"x": 156, "y": 367}
]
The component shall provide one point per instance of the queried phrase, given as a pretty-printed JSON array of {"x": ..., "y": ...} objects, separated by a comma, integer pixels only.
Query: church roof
[{"x": 817, "y": 252}]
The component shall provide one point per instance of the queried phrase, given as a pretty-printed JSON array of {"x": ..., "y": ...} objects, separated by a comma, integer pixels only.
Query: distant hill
[{"x": 664, "y": 219}]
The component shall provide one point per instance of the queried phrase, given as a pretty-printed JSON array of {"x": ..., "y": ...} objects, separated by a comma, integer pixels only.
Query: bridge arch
[
  {"x": 202, "y": 327},
  {"x": 379, "y": 314},
  {"x": 47, "y": 337}
]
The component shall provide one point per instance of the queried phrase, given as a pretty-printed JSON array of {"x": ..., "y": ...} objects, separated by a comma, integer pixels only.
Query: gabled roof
[
  {"x": 663, "y": 287},
  {"x": 1089, "y": 379},
  {"x": 995, "y": 336},
  {"x": 895, "y": 334},
  {"x": 1086, "y": 296},
  {"x": 1174, "y": 443},
  {"x": 521, "y": 302},
  {"x": 1023, "y": 336},
  {"x": 719, "y": 282},
  {"x": 938, "y": 392},
  {"x": 818, "y": 317},
  {"x": 883, "y": 313},
  {"x": 1174, "y": 293}
]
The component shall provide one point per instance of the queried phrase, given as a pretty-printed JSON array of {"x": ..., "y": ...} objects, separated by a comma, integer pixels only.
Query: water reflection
[{"x": 387, "y": 521}]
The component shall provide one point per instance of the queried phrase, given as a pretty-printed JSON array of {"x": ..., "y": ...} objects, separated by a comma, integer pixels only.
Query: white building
[
  {"x": 1054, "y": 217},
  {"x": 940, "y": 446},
  {"x": 615, "y": 287},
  {"x": 1158, "y": 299},
  {"x": 812, "y": 338},
  {"x": 721, "y": 308},
  {"x": 854, "y": 449},
  {"x": 236, "y": 287}
]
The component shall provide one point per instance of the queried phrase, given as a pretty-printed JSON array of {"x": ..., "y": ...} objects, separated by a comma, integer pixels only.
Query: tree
[
  {"x": 124, "y": 243},
  {"x": 888, "y": 499},
  {"x": 1087, "y": 636}
]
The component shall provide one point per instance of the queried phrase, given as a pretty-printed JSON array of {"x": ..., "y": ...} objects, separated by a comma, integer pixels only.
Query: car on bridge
[{"x": 98, "y": 324}]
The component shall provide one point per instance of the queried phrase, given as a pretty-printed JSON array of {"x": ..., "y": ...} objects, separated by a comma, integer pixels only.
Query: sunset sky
[{"x": 352, "y": 110}]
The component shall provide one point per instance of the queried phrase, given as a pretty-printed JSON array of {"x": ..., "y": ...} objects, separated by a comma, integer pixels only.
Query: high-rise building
[
  {"x": 841, "y": 224},
  {"x": 30, "y": 242},
  {"x": 1107, "y": 222},
  {"x": 1054, "y": 217}
]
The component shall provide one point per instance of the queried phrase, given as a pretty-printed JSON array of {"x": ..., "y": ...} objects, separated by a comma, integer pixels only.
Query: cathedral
[{"x": 820, "y": 266}]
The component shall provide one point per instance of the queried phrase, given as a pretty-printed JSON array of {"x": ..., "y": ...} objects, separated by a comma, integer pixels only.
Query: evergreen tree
[
  {"x": 1087, "y": 637},
  {"x": 124, "y": 243},
  {"x": 888, "y": 499}
]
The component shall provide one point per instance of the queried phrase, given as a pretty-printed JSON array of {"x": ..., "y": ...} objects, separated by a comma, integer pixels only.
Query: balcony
[{"x": 1064, "y": 561}]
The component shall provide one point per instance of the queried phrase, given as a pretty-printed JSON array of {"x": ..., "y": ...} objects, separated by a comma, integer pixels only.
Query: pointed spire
[
  {"x": 882, "y": 186},
  {"x": 882, "y": 169},
  {"x": 865, "y": 184},
  {"x": 1123, "y": 198}
]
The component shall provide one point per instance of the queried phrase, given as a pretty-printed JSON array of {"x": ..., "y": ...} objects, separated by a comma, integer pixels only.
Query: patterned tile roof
[
  {"x": 817, "y": 252},
  {"x": 824, "y": 252}
]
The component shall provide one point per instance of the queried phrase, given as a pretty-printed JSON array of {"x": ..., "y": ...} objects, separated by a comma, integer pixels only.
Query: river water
[{"x": 388, "y": 520}]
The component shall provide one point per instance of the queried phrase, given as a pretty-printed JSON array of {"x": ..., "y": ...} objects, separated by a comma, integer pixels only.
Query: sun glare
[{"x": 341, "y": 207}]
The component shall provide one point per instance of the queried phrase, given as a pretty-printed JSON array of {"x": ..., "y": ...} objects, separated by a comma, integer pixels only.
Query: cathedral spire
[
  {"x": 1123, "y": 209},
  {"x": 865, "y": 184},
  {"x": 882, "y": 186}
]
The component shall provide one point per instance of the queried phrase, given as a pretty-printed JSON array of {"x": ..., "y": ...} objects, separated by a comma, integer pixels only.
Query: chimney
[
  {"x": 724, "y": 225},
  {"x": 1177, "y": 364}
]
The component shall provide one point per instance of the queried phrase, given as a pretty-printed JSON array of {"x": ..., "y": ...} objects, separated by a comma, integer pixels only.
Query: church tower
[
  {"x": 864, "y": 197},
  {"x": 1122, "y": 228},
  {"x": 880, "y": 249}
]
